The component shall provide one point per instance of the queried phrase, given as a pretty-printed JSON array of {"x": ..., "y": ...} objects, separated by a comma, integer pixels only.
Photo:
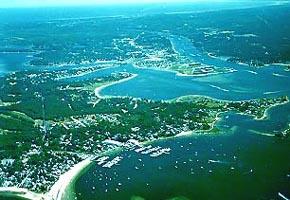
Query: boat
[
  {"x": 113, "y": 162},
  {"x": 102, "y": 160},
  {"x": 151, "y": 150},
  {"x": 143, "y": 148},
  {"x": 160, "y": 152}
]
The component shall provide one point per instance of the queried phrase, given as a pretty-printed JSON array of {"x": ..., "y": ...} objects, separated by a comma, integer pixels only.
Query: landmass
[
  {"x": 39, "y": 107},
  {"x": 53, "y": 122}
]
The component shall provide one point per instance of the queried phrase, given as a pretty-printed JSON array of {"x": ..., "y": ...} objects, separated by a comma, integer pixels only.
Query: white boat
[
  {"x": 143, "y": 148},
  {"x": 160, "y": 152},
  {"x": 140, "y": 149},
  {"x": 101, "y": 160},
  {"x": 113, "y": 162},
  {"x": 151, "y": 150}
]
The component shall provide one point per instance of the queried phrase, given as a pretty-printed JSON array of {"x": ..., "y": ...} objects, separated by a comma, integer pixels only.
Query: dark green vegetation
[
  {"x": 47, "y": 122},
  {"x": 12, "y": 198},
  {"x": 255, "y": 36},
  {"x": 50, "y": 119}
]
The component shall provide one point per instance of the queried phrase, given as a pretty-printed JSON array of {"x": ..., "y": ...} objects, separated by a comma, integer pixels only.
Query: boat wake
[{"x": 219, "y": 88}]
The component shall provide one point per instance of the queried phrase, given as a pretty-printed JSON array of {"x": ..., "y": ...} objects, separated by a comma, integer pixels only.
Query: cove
[
  {"x": 237, "y": 165},
  {"x": 166, "y": 85},
  {"x": 243, "y": 84}
]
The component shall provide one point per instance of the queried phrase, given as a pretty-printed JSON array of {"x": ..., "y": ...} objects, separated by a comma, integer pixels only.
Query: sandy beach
[
  {"x": 98, "y": 89},
  {"x": 265, "y": 115},
  {"x": 58, "y": 190},
  {"x": 196, "y": 96}
]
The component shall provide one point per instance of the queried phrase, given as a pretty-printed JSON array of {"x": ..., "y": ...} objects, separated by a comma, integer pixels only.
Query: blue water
[
  {"x": 12, "y": 62},
  {"x": 245, "y": 83},
  {"x": 249, "y": 166},
  {"x": 164, "y": 85}
]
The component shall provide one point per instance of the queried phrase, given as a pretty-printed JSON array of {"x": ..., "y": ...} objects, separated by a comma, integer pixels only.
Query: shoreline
[
  {"x": 14, "y": 192},
  {"x": 63, "y": 188},
  {"x": 176, "y": 72},
  {"x": 265, "y": 114},
  {"x": 60, "y": 188},
  {"x": 63, "y": 185},
  {"x": 197, "y": 132},
  {"x": 98, "y": 89},
  {"x": 180, "y": 99}
]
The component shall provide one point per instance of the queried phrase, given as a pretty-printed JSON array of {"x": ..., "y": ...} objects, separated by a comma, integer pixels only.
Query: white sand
[
  {"x": 57, "y": 190},
  {"x": 98, "y": 89}
]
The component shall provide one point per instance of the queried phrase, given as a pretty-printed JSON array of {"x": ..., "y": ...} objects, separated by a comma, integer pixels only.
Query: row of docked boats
[
  {"x": 131, "y": 145},
  {"x": 160, "y": 152},
  {"x": 108, "y": 164},
  {"x": 153, "y": 151}
]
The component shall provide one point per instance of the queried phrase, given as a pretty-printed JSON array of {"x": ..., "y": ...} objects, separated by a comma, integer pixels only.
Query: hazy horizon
[{"x": 47, "y": 3}]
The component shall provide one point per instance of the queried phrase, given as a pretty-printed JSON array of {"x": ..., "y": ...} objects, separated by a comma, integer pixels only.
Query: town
[{"x": 48, "y": 124}]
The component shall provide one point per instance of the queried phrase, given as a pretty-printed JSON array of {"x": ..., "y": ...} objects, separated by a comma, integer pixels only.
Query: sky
[{"x": 37, "y": 3}]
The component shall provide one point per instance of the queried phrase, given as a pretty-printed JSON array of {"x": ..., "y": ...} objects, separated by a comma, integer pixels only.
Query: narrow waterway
[{"x": 242, "y": 84}]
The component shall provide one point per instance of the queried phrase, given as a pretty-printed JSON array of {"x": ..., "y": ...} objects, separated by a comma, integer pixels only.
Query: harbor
[
  {"x": 177, "y": 102},
  {"x": 195, "y": 164},
  {"x": 130, "y": 146}
]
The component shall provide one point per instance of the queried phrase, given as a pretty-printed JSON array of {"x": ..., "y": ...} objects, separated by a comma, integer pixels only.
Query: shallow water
[
  {"x": 245, "y": 83},
  {"x": 164, "y": 85},
  {"x": 234, "y": 164},
  {"x": 12, "y": 62}
]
